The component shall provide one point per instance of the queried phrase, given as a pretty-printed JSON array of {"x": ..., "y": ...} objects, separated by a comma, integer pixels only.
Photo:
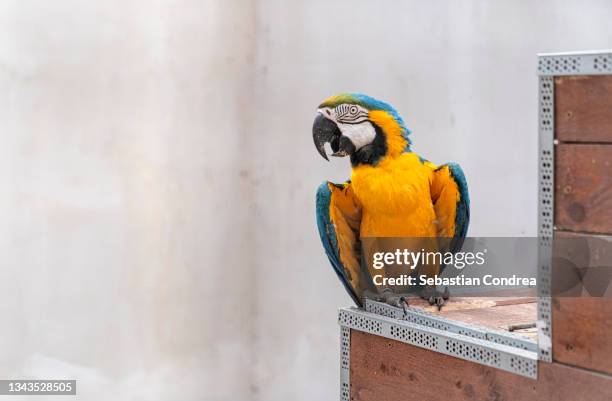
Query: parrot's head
[{"x": 361, "y": 127}]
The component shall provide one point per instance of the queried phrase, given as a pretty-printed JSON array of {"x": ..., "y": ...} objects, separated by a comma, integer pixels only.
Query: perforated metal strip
[
  {"x": 499, "y": 356},
  {"x": 549, "y": 66},
  {"x": 588, "y": 63},
  {"x": 545, "y": 214},
  {"x": 424, "y": 318},
  {"x": 345, "y": 354}
]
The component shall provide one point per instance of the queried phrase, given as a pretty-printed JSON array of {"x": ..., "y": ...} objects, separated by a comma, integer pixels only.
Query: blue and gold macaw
[{"x": 392, "y": 191}]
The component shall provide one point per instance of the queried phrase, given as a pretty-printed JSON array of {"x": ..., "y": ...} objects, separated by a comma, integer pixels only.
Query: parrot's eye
[{"x": 350, "y": 114}]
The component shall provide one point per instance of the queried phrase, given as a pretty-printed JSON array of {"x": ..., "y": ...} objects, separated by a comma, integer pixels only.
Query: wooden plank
[
  {"x": 582, "y": 108},
  {"x": 581, "y": 326},
  {"x": 388, "y": 370},
  {"x": 516, "y": 301},
  {"x": 467, "y": 303},
  {"x": 582, "y": 334},
  {"x": 493, "y": 312},
  {"x": 497, "y": 317},
  {"x": 582, "y": 265},
  {"x": 583, "y": 188}
]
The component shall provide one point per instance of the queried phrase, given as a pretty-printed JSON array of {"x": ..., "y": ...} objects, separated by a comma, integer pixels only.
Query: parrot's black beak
[{"x": 325, "y": 130}]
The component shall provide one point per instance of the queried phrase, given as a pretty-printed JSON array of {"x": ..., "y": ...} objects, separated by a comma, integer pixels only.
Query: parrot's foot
[
  {"x": 386, "y": 296},
  {"x": 435, "y": 297}
]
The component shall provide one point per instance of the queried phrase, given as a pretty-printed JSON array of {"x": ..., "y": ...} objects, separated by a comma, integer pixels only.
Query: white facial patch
[
  {"x": 360, "y": 134},
  {"x": 352, "y": 120}
]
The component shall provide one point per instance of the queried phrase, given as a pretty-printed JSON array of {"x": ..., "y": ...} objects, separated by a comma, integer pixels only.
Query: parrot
[{"x": 392, "y": 192}]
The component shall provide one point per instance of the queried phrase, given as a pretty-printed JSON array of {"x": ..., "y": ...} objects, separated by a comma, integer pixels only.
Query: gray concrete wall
[
  {"x": 122, "y": 125},
  {"x": 158, "y": 175}
]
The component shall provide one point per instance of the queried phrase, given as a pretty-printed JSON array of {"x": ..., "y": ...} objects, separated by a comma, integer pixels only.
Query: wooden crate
[
  {"x": 582, "y": 327},
  {"x": 389, "y": 370},
  {"x": 380, "y": 367}
]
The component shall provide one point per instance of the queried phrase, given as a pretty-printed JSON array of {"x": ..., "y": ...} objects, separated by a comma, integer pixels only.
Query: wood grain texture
[
  {"x": 582, "y": 265},
  {"x": 388, "y": 370},
  {"x": 582, "y": 108},
  {"x": 494, "y": 312},
  {"x": 583, "y": 188},
  {"x": 582, "y": 332},
  {"x": 497, "y": 317},
  {"x": 456, "y": 303}
]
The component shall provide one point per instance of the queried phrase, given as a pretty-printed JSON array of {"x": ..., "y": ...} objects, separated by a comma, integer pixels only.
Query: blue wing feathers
[
  {"x": 462, "y": 216},
  {"x": 328, "y": 237}
]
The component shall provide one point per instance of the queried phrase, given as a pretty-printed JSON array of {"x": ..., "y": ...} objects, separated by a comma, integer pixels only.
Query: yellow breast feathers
[{"x": 395, "y": 197}]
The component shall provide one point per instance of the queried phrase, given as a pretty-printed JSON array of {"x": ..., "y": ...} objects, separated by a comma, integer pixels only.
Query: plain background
[{"x": 158, "y": 175}]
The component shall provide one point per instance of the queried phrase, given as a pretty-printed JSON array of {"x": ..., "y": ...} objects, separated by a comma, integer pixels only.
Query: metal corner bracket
[
  {"x": 424, "y": 330},
  {"x": 551, "y": 65}
]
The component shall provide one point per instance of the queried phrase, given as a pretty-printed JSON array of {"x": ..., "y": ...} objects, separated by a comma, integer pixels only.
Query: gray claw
[{"x": 435, "y": 297}]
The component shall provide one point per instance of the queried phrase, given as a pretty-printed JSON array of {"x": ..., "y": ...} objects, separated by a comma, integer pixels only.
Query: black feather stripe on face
[{"x": 373, "y": 152}]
